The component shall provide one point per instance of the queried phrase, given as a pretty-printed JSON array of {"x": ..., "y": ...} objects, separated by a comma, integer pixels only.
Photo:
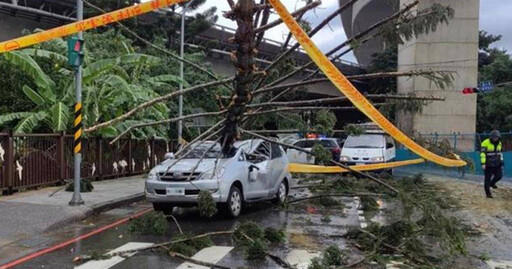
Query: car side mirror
[
  {"x": 169, "y": 155},
  {"x": 389, "y": 145},
  {"x": 253, "y": 167}
]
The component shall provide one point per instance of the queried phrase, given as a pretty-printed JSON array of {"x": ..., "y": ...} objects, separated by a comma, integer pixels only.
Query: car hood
[{"x": 187, "y": 165}]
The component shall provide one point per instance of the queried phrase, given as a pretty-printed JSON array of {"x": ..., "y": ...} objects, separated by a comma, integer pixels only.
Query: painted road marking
[
  {"x": 360, "y": 213},
  {"x": 210, "y": 254},
  {"x": 499, "y": 264},
  {"x": 300, "y": 258},
  {"x": 108, "y": 263}
]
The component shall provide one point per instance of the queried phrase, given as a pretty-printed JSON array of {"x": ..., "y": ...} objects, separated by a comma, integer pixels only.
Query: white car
[
  {"x": 254, "y": 170},
  {"x": 367, "y": 149}
]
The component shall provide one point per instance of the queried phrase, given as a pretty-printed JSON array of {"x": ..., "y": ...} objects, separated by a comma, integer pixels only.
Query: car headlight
[
  {"x": 206, "y": 176},
  {"x": 344, "y": 158},
  {"x": 221, "y": 172},
  {"x": 152, "y": 175},
  {"x": 377, "y": 159}
]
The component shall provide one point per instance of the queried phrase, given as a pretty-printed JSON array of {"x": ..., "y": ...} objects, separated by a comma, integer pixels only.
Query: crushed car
[{"x": 254, "y": 170}]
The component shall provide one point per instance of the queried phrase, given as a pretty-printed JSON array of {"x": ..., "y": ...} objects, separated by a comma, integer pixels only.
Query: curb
[
  {"x": 101, "y": 207},
  {"x": 87, "y": 211}
]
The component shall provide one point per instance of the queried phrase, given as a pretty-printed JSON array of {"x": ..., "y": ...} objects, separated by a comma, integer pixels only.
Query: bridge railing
[{"x": 33, "y": 160}]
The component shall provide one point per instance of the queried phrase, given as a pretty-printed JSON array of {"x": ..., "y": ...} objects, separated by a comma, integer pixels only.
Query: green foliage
[
  {"x": 324, "y": 122},
  {"x": 368, "y": 203},
  {"x": 413, "y": 24},
  {"x": 274, "y": 235},
  {"x": 354, "y": 130},
  {"x": 254, "y": 239},
  {"x": 331, "y": 256},
  {"x": 322, "y": 155},
  {"x": 85, "y": 186},
  {"x": 206, "y": 204},
  {"x": 326, "y": 219},
  {"x": 328, "y": 202},
  {"x": 153, "y": 223},
  {"x": 190, "y": 245}
]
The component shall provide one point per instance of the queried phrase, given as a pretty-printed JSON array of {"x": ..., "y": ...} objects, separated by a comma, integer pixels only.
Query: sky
[{"x": 495, "y": 18}]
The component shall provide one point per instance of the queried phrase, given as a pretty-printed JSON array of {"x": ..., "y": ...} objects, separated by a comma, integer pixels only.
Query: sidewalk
[{"x": 29, "y": 213}]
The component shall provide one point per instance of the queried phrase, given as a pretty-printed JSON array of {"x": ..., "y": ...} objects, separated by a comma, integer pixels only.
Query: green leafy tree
[
  {"x": 111, "y": 86},
  {"x": 494, "y": 109}
]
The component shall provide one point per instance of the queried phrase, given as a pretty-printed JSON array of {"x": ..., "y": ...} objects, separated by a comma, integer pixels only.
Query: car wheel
[
  {"x": 282, "y": 192},
  {"x": 233, "y": 207},
  {"x": 165, "y": 208}
]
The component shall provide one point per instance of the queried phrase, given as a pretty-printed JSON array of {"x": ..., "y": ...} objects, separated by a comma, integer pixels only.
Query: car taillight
[{"x": 336, "y": 150}]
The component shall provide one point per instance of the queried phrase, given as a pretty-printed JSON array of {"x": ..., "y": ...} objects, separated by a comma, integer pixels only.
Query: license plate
[{"x": 175, "y": 191}]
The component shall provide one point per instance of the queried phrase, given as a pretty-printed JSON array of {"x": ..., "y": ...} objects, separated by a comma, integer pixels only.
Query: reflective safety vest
[{"x": 490, "y": 154}]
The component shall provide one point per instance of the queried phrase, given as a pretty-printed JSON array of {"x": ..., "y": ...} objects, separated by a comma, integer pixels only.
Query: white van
[{"x": 367, "y": 149}]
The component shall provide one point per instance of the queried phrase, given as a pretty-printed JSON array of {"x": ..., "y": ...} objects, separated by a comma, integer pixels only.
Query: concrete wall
[{"x": 452, "y": 47}]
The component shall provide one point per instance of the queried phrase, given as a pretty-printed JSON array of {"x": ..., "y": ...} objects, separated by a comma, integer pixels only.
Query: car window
[
  {"x": 327, "y": 143},
  {"x": 208, "y": 150},
  {"x": 305, "y": 144},
  {"x": 365, "y": 141},
  {"x": 276, "y": 151}
]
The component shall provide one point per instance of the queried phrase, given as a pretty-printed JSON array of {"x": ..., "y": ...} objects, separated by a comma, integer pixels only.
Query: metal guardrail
[{"x": 33, "y": 160}]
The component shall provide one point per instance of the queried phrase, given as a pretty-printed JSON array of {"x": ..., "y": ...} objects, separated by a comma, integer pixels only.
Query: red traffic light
[
  {"x": 78, "y": 47},
  {"x": 470, "y": 90}
]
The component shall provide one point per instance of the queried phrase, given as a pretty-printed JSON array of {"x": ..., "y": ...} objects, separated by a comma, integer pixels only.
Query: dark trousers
[{"x": 492, "y": 176}]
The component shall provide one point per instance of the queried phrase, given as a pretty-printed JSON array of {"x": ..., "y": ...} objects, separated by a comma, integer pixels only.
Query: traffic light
[
  {"x": 470, "y": 90},
  {"x": 75, "y": 51}
]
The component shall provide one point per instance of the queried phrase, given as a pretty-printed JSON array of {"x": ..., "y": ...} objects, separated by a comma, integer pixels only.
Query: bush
[{"x": 207, "y": 207}]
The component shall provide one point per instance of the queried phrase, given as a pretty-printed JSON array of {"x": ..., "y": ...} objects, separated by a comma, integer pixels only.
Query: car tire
[
  {"x": 233, "y": 206},
  {"x": 282, "y": 192},
  {"x": 165, "y": 208}
]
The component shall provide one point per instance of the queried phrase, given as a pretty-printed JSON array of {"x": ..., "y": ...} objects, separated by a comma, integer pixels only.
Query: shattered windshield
[{"x": 211, "y": 149}]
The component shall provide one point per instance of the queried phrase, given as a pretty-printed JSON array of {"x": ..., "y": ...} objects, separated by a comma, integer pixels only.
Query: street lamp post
[
  {"x": 77, "y": 156},
  {"x": 182, "y": 49}
]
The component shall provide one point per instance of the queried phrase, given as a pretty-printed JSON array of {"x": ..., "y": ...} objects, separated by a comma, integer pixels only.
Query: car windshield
[
  {"x": 364, "y": 141},
  {"x": 311, "y": 143},
  {"x": 208, "y": 150}
]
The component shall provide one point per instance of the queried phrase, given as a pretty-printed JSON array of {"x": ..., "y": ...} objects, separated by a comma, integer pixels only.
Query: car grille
[{"x": 171, "y": 176}]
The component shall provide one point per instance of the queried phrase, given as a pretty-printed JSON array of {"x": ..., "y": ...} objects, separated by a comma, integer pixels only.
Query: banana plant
[{"x": 110, "y": 88}]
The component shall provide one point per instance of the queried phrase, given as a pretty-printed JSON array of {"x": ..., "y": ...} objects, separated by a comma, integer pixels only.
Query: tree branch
[
  {"x": 185, "y": 117},
  {"x": 294, "y": 14},
  {"x": 154, "y": 101},
  {"x": 353, "y": 77},
  {"x": 343, "y": 98},
  {"x": 284, "y": 109}
]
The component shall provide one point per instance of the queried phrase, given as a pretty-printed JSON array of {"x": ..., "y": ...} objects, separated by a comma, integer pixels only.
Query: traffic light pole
[{"x": 77, "y": 124}]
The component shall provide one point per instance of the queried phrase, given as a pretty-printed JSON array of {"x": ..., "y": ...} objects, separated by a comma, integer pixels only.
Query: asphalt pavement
[{"x": 27, "y": 214}]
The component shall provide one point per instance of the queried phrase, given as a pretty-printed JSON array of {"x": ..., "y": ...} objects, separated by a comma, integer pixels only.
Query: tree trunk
[{"x": 244, "y": 55}]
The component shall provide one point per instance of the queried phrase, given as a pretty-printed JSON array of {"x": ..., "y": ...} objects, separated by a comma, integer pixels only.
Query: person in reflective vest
[{"x": 492, "y": 161}]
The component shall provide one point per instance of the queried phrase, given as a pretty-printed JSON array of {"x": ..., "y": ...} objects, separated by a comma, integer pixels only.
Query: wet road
[{"x": 306, "y": 235}]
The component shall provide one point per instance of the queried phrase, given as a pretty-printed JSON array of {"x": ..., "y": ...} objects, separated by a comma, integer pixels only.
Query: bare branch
[
  {"x": 354, "y": 77},
  {"x": 154, "y": 101},
  {"x": 294, "y": 14},
  {"x": 289, "y": 109},
  {"x": 186, "y": 117},
  {"x": 343, "y": 98}
]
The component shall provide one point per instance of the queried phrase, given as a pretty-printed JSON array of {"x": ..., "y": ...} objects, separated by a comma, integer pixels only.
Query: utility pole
[
  {"x": 182, "y": 51},
  {"x": 77, "y": 124}
]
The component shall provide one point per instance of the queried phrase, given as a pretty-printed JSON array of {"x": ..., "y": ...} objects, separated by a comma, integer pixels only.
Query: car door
[
  {"x": 259, "y": 171},
  {"x": 277, "y": 166}
]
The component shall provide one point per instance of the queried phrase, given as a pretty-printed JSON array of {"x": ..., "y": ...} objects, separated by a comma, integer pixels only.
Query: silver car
[{"x": 255, "y": 170}]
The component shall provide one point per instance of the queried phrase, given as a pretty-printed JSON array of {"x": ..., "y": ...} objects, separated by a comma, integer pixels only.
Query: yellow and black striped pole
[{"x": 77, "y": 129}]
